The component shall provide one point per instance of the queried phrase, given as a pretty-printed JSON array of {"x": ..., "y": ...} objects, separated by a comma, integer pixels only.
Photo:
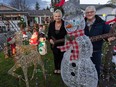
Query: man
[{"x": 96, "y": 26}]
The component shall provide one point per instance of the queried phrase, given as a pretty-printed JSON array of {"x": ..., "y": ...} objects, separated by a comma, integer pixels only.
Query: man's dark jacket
[{"x": 98, "y": 28}]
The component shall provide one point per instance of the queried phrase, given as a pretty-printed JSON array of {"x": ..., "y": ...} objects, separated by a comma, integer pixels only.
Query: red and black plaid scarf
[{"x": 72, "y": 42}]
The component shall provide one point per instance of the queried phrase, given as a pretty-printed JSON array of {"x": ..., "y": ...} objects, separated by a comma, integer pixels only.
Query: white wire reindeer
[{"x": 25, "y": 56}]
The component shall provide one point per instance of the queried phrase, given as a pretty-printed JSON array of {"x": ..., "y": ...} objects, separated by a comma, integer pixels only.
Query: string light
[{"x": 26, "y": 57}]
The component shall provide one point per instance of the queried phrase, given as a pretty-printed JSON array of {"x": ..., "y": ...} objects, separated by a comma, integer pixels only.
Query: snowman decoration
[
  {"x": 42, "y": 47},
  {"x": 77, "y": 69}
]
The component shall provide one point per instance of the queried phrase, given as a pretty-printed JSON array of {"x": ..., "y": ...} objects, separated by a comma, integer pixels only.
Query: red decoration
[
  {"x": 61, "y": 3},
  {"x": 113, "y": 20},
  {"x": 75, "y": 50},
  {"x": 34, "y": 39},
  {"x": 9, "y": 39}
]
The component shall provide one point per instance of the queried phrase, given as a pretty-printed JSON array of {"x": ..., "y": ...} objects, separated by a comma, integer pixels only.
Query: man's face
[{"x": 90, "y": 14}]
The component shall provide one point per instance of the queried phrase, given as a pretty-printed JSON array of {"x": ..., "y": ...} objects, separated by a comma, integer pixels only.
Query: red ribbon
[
  {"x": 113, "y": 20},
  {"x": 72, "y": 43}
]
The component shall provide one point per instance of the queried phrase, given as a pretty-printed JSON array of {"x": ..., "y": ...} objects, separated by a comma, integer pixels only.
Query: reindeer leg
[
  {"x": 25, "y": 75},
  {"x": 34, "y": 71},
  {"x": 41, "y": 63},
  {"x": 42, "y": 66},
  {"x": 44, "y": 72},
  {"x": 12, "y": 71}
]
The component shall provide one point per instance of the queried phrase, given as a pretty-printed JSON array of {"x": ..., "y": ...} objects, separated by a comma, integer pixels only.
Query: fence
[{"x": 3, "y": 38}]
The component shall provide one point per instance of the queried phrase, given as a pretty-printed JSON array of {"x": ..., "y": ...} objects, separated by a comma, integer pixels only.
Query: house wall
[{"x": 107, "y": 11}]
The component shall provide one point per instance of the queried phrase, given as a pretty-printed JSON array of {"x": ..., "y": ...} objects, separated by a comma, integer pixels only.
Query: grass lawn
[{"x": 52, "y": 80}]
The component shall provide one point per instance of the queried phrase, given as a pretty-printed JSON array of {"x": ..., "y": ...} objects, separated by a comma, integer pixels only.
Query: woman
[{"x": 56, "y": 32}]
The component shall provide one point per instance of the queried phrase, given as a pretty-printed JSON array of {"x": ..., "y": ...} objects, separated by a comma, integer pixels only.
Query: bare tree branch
[
  {"x": 20, "y": 4},
  {"x": 112, "y": 2}
]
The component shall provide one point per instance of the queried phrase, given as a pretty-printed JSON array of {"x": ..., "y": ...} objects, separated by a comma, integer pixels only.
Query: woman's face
[{"x": 57, "y": 17}]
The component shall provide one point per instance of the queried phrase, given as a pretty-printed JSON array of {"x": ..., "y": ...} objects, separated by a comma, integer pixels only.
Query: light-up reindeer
[{"x": 25, "y": 56}]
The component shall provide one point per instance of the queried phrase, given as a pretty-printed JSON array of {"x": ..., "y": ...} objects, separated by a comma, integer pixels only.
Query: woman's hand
[{"x": 51, "y": 41}]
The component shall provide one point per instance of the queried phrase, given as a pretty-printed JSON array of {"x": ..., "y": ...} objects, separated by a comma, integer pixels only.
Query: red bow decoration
[
  {"x": 9, "y": 39},
  {"x": 61, "y": 3},
  {"x": 114, "y": 47},
  {"x": 72, "y": 43},
  {"x": 113, "y": 20}
]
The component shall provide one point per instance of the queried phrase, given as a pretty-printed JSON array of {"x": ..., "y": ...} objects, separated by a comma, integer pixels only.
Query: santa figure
[
  {"x": 11, "y": 46},
  {"x": 34, "y": 38},
  {"x": 25, "y": 38}
]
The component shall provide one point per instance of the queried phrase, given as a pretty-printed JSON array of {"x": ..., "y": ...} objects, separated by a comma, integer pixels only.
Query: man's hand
[
  {"x": 51, "y": 41},
  {"x": 111, "y": 39}
]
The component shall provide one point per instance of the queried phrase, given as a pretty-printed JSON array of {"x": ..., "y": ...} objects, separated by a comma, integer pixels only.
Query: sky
[
  {"x": 89, "y": 1},
  {"x": 93, "y": 1},
  {"x": 45, "y": 3}
]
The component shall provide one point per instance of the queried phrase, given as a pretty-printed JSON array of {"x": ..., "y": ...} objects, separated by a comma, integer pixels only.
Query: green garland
[
  {"x": 70, "y": 38},
  {"x": 22, "y": 23}
]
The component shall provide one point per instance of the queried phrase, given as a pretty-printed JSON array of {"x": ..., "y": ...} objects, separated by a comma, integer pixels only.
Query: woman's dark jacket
[
  {"x": 52, "y": 33},
  {"x": 98, "y": 28}
]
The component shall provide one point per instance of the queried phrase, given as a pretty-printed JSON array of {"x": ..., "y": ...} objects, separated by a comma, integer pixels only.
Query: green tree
[
  {"x": 22, "y": 23},
  {"x": 37, "y": 7},
  {"x": 47, "y": 8},
  {"x": 112, "y": 2}
]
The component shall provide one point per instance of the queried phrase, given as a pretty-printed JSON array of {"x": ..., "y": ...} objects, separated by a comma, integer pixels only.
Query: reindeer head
[{"x": 18, "y": 38}]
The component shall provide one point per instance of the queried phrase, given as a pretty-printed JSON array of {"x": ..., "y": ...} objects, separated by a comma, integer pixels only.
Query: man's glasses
[{"x": 90, "y": 12}]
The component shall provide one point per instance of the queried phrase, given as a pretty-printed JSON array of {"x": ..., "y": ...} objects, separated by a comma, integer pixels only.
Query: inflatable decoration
[
  {"x": 34, "y": 39},
  {"x": 42, "y": 47}
]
